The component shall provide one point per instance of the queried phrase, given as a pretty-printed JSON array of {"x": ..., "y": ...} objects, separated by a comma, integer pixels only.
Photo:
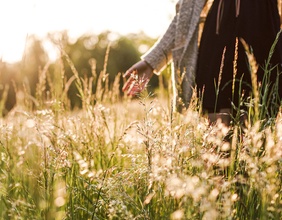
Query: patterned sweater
[{"x": 180, "y": 45}]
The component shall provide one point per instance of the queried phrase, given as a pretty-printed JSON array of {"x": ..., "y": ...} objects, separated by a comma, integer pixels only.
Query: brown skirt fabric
[{"x": 257, "y": 22}]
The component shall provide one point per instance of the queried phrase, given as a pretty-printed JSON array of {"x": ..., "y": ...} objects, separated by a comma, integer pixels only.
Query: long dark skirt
[{"x": 258, "y": 23}]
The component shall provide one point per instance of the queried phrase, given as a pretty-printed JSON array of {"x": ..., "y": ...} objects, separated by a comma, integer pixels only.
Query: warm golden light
[{"x": 19, "y": 19}]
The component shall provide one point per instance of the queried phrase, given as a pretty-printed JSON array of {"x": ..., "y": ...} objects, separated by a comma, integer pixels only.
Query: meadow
[{"x": 122, "y": 158}]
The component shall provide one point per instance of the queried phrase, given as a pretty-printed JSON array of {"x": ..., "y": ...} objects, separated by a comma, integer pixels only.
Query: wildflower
[
  {"x": 60, "y": 201},
  {"x": 177, "y": 215},
  {"x": 211, "y": 214},
  {"x": 30, "y": 123}
]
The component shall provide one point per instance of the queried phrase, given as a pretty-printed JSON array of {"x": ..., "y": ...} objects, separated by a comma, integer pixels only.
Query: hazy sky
[{"x": 20, "y": 18}]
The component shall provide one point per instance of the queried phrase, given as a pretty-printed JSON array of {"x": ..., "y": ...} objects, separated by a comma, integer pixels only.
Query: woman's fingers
[
  {"x": 133, "y": 89},
  {"x": 134, "y": 85},
  {"x": 138, "y": 77},
  {"x": 129, "y": 72},
  {"x": 128, "y": 83}
]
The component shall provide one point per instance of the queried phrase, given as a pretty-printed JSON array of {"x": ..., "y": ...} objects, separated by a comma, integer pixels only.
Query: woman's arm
[
  {"x": 161, "y": 53},
  {"x": 152, "y": 62}
]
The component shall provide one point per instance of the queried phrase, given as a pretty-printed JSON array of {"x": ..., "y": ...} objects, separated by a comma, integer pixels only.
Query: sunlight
[
  {"x": 20, "y": 19},
  {"x": 14, "y": 23}
]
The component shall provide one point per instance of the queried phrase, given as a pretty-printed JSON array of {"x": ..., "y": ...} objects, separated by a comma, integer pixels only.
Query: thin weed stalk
[
  {"x": 253, "y": 70},
  {"x": 217, "y": 86}
]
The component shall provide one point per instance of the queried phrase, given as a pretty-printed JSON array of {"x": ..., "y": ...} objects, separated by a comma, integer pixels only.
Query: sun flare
[{"x": 20, "y": 19}]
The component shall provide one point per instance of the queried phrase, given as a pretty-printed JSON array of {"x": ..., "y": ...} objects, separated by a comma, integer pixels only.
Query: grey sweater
[{"x": 180, "y": 45}]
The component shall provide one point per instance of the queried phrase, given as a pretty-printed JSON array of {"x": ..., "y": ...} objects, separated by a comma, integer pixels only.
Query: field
[{"x": 134, "y": 159}]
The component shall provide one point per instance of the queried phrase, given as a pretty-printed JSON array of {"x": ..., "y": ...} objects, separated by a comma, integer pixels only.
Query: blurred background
[
  {"x": 20, "y": 19},
  {"x": 33, "y": 31}
]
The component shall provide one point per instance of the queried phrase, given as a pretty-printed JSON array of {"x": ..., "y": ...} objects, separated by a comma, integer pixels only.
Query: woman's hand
[{"x": 139, "y": 76}]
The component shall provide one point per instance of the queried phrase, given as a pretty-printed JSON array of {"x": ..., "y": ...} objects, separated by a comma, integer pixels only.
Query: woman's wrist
[{"x": 149, "y": 65}]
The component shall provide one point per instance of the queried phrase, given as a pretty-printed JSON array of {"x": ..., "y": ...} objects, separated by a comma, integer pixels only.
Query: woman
[
  {"x": 257, "y": 22},
  {"x": 180, "y": 44}
]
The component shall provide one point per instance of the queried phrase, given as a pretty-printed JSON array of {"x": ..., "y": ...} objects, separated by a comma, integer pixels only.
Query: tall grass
[{"x": 134, "y": 159}]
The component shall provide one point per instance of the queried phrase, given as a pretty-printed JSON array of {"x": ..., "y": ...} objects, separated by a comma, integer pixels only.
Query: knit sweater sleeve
[{"x": 160, "y": 55}]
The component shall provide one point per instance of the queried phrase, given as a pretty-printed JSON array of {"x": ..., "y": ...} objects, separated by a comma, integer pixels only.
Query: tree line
[{"x": 88, "y": 53}]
